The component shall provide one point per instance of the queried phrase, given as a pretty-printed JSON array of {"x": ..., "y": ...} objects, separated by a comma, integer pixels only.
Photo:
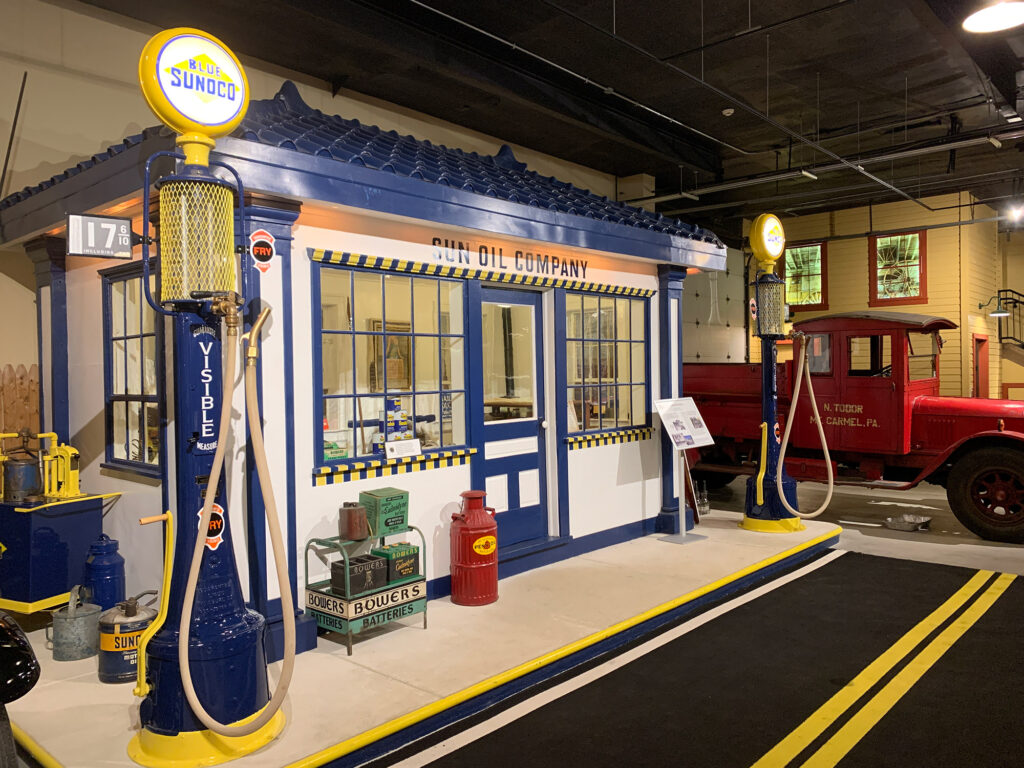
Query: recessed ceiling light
[
  {"x": 996, "y": 17},
  {"x": 729, "y": 111},
  {"x": 1014, "y": 119}
]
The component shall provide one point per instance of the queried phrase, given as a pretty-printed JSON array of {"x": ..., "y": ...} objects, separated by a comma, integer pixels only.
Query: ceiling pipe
[
  {"x": 741, "y": 104},
  {"x": 779, "y": 201},
  {"x": 606, "y": 89},
  {"x": 812, "y": 172}
]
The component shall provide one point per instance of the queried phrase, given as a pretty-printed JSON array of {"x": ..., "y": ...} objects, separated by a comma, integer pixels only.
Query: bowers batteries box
[
  {"x": 403, "y": 559},
  {"x": 365, "y": 572}
]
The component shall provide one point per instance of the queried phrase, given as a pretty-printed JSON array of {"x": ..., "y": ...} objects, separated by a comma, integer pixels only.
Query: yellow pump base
[
  {"x": 193, "y": 749},
  {"x": 785, "y": 525}
]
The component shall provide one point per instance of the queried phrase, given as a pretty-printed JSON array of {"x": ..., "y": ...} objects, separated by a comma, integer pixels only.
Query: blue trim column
[
  {"x": 276, "y": 216},
  {"x": 670, "y": 291},
  {"x": 48, "y": 255}
]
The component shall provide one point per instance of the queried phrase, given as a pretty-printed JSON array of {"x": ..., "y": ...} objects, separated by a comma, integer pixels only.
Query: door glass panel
[
  {"x": 870, "y": 356},
  {"x": 508, "y": 361}
]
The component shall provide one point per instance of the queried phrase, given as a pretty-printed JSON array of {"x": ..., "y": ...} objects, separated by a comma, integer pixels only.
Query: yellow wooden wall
[
  {"x": 1011, "y": 248},
  {"x": 963, "y": 269}
]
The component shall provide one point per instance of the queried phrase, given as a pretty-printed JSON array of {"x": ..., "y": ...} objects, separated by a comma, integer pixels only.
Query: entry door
[
  {"x": 868, "y": 417},
  {"x": 513, "y": 412},
  {"x": 980, "y": 388}
]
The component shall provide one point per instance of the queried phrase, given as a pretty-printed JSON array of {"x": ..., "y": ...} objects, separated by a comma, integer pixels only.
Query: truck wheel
[
  {"x": 714, "y": 480},
  {"x": 986, "y": 493}
]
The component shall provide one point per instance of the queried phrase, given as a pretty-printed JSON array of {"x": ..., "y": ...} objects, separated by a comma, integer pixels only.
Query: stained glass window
[
  {"x": 898, "y": 267},
  {"x": 804, "y": 270}
]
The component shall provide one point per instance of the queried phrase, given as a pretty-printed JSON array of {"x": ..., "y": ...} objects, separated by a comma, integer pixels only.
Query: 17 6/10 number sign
[{"x": 105, "y": 237}]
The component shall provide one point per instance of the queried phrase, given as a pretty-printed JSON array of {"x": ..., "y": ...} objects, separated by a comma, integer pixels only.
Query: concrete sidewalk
[{"x": 410, "y": 673}]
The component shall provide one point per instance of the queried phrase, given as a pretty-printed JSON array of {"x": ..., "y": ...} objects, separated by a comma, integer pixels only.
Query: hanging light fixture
[
  {"x": 995, "y": 17},
  {"x": 999, "y": 311}
]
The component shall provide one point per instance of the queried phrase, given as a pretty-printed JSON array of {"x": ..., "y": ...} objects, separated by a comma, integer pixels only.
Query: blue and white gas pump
[
  {"x": 771, "y": 503},
  {"x": 207, "y": 698}
]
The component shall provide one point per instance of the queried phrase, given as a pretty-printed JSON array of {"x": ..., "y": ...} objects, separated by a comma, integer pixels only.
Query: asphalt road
[{"x": 862, "y": 512}]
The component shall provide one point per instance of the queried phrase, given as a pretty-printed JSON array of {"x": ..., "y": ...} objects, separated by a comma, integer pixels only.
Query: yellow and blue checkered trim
[
  {"x": 446, "y": 270},
  {"x": 608, "y": 438},
  {"x": 367, "y": 470}
]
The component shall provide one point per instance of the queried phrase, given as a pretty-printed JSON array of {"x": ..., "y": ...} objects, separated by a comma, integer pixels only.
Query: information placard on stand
[{"x": 686, "y": 428}]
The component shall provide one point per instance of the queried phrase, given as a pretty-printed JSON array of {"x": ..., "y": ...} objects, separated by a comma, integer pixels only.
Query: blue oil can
[
  {"x": 104, "y": 573},
  {"x": 120, "y": 631}
]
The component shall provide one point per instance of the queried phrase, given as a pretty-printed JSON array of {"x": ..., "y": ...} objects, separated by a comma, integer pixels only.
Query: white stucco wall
[
  {"x": 140, "y": 546},
  {"x": 82, "y": 95},
  {"x": 609, "y": 486},
  {"x": 18, "y": 345}
]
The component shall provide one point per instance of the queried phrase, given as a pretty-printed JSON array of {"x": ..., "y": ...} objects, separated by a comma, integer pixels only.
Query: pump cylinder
[{"x": 197, "y": 238}]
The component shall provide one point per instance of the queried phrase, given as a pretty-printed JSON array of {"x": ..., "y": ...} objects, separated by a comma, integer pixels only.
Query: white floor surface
[{"x": 83, "y": 723}]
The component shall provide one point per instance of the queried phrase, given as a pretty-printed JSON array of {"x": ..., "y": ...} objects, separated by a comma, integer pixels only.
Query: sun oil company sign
[{"x": 193, "y": 82}]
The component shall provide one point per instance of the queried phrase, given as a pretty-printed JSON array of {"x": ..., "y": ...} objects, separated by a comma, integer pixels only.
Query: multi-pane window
[
  {"x": 130, "y": 356},
  {"x": 898, "y": 268},
  {"x": 393, "y": 362},
  {"x": 804, "y": 270},
  {"x": 606, "y": 359}
]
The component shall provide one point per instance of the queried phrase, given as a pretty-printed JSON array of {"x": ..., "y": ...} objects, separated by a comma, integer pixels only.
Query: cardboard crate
[
  {"x": 403, "y": 559},
  {"x": 387, "y": 510},
  {"x": 366, "y": 572}
]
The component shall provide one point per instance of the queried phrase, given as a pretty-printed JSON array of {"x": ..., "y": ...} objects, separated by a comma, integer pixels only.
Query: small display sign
[
  {"x": 104, "y": 237},
  {"x": 683, "y": 423},
  {"x": 397, "y": 449}
]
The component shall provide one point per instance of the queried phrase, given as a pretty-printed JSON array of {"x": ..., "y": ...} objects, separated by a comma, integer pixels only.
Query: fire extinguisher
[{"x": 474, "y": 552}]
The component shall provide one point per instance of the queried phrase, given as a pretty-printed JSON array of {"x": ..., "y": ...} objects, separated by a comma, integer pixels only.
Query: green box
[{"x": 387, "y": 510}]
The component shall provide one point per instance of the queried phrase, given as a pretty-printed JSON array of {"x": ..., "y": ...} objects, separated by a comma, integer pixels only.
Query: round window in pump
[{"x": 193, "y": 82}]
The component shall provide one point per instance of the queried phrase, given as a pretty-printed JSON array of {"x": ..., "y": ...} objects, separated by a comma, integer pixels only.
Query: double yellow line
[{"x": 833, "y": 750}]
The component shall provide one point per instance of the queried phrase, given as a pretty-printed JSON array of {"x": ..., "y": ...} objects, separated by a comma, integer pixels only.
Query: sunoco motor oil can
[{"x": 120, "y": 630}]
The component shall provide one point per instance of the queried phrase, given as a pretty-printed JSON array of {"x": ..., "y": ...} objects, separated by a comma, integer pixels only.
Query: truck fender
[{"x": 987, "y": 438}]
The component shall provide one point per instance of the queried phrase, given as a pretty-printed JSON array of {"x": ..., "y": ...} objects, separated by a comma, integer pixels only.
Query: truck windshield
[
  {"x": 921, "y": 360},
  {"x": 870, "y": 355}
]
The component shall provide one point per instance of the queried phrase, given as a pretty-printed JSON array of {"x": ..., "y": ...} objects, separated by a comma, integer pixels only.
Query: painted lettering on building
[{"x": 466, "y": 253}]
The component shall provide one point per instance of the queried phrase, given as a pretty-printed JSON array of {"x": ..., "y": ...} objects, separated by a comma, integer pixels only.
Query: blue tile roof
[{"x": 286, "y": 121}]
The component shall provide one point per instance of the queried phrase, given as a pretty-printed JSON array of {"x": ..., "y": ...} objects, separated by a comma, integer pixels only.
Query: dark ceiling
[{"x": 639, "y": 86}]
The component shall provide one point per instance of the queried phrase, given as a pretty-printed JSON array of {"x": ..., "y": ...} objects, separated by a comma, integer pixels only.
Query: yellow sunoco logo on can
[
  {"x": 118, "y": 642},
  {"x": 485, "y": 545}
]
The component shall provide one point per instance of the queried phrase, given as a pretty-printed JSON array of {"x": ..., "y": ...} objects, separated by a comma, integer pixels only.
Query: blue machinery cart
[
  {"x": 362, "y": 610},
  {"x": 43, "y": 548}
]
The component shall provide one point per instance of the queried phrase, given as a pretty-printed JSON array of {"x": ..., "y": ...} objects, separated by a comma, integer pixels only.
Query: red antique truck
[{"x": 876, "y": 382}]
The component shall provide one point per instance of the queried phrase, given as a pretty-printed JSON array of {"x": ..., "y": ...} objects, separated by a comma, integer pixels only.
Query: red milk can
[{"x": 474, "y": 552}]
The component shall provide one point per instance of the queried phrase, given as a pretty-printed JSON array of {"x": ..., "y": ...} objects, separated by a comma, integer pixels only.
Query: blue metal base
[
  {"x": 667, "y": 522},
  {"x": 772, "y": 508},
  {"x": 234, "y": 654},
  {"x": 305, "y": 636},
  {"x": 45, "y": 549}
]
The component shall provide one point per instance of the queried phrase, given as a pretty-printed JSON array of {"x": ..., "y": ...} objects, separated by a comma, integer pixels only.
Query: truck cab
[
  {"x": 876, "y": 383},
  {"x": 868, "y": 369}
]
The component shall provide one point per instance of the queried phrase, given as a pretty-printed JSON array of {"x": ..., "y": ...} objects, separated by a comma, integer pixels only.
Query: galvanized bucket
[{"x": 76, "y": 630}]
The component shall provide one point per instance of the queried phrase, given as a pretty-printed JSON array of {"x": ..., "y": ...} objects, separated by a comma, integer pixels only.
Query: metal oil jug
[
  {"x": 121, "y": 629},
  {"x": 76, "y": 630}
]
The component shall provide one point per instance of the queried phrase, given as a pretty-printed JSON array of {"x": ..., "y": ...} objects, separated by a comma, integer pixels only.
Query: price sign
[{"x": 105, "y": 237}]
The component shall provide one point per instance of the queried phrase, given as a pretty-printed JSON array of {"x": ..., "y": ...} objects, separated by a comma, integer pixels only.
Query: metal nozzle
[{"x": 252, "y": 338}]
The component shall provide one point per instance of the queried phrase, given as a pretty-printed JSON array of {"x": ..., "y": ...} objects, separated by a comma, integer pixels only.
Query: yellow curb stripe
[
  {"x": 801, "y": 738},
  {"x": 836, "y": 748},
  {"x": 418, "y": 715},
  {"x": 31, "y": 746}
]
